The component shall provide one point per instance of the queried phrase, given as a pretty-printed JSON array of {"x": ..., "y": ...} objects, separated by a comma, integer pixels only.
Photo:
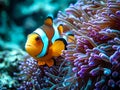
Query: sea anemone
[
  {"x": 32, "y": 76},
  {"x": 95, "y": 53}
]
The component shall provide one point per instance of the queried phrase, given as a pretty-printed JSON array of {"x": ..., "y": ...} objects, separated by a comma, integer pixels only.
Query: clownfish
[{"x": 45, "y": 43}]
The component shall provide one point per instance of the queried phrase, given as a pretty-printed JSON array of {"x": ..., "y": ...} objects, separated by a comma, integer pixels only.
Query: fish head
[{"x": 33, "y": 44}]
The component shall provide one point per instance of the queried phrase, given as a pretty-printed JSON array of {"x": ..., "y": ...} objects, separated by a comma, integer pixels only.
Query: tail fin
[{"x": 70, "y": 38}]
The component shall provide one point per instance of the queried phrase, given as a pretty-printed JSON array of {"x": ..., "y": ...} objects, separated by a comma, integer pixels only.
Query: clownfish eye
[{"x": 37, "y": 38}]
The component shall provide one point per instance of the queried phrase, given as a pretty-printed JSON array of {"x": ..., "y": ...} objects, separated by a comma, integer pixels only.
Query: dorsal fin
[
  {"x": 48, "y": 21},
  {"x": 60, "y": 29}
]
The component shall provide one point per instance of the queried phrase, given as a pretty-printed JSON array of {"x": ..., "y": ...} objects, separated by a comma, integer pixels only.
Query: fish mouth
[{"x": 28, "y": 45}]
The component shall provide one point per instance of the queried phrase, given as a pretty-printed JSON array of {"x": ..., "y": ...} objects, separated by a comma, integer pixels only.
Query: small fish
[{"x": 45, "y": 43}]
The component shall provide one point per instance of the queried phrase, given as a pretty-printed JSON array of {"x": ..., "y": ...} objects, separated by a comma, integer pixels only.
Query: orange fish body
[{"x": 45, "y": 43}]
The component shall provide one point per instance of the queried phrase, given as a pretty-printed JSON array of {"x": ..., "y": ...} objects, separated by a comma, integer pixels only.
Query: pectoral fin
[
  {"x": 60, "y": 29},
  {"x": 58, "y": 46},
  {"x": 50, "y": 62},
  {"x": 41, "y": 62}
]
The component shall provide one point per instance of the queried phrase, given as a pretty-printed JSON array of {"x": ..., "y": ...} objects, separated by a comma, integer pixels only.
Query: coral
[
  {"x": 49, "y": 6},
  {"x": 8, "y": 32},
  {"x": 8, "y": 65},
  {"x": 95, "y": 53}
]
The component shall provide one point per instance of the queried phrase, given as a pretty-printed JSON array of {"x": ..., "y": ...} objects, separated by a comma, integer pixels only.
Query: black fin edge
[
  {"x": 63, "y": 40},
  {"x": 70, "y": 34},
  {"x": 50, "y": 18}
]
